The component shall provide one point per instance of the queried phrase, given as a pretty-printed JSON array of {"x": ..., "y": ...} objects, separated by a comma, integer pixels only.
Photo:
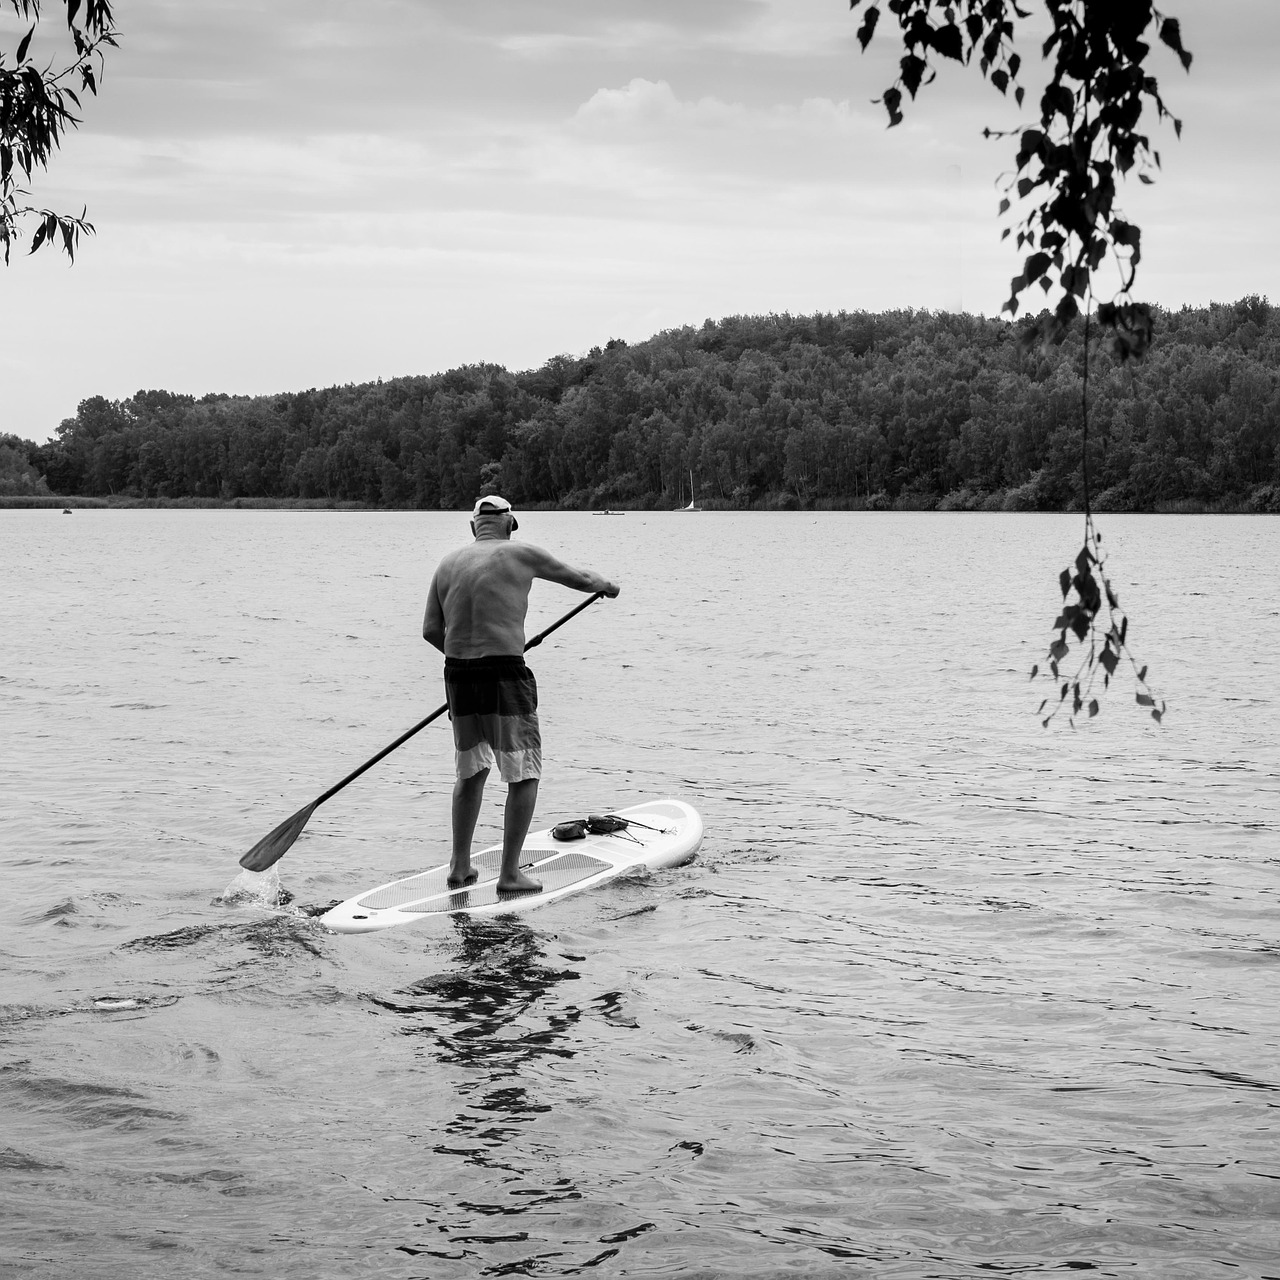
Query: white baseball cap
[{"x": 491, "y": 504}]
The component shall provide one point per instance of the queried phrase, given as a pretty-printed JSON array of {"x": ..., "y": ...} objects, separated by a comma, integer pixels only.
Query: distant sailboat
[{"x": 692, "y": 503}]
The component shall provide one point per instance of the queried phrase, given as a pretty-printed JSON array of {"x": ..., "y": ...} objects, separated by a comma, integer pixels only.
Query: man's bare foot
[
  {"x": 519, "y": 883},
  {"x": 455, "y": 881}
]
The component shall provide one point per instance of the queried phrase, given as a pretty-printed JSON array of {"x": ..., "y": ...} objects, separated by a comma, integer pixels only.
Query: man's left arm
[{"x": 545, "y": 565}]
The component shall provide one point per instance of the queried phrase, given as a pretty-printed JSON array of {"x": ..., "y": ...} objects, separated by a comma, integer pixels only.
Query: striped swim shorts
[{"x": 493, "y": 703}]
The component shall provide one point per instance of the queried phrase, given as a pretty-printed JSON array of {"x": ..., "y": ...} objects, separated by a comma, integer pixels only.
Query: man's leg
[
  {"x": 521, "y": 798},
  {"x": 467, "y": 796}
]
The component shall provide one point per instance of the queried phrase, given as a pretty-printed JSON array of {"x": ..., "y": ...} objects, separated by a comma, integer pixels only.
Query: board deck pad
[
  {"x": 666, "y": 833},
  {"x": 430, "y": 883},
  {"x": 555, "y": 873}
]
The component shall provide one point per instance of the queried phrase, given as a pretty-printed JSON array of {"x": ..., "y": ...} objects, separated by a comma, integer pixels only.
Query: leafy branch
[
  {"x": 1081, "y": 616},
  {"x": 37, "y": 107},
  {"x": 1091, "y": 587},
  {"x": 1088, "y": 133}
]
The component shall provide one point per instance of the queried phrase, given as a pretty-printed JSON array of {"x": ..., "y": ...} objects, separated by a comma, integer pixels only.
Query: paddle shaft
[{"x": 439, "y": 711}]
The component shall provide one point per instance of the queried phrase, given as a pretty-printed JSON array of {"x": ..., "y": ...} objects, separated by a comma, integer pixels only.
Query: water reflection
[
  {"x": 477, "y": 1015},
  {"x": 495, "y": 1018}
]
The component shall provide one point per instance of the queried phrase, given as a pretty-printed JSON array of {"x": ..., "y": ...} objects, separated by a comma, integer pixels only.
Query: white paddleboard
[{"x": 663, "y": 833}]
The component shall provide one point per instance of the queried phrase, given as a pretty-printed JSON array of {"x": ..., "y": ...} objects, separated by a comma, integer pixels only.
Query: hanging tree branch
[
  {"x": 1065, "y": 180},
  {"x": 1071, "y": 160},
  {"x": 37, "y": 106},
  {"x": 1081, "y": 617}
]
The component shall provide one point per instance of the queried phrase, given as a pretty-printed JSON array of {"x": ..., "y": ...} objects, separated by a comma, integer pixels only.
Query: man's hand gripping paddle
[{"x": 272, "y": 847}]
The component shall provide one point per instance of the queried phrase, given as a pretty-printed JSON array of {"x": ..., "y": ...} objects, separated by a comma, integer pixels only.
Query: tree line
[{"x": 902, "y": 409}]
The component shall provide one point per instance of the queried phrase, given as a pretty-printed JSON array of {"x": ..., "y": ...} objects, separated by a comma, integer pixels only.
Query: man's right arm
[{"x": 433, "y": 619}]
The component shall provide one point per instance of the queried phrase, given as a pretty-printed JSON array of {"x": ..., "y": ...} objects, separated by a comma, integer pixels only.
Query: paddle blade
[{"x": 272, "y": 847}]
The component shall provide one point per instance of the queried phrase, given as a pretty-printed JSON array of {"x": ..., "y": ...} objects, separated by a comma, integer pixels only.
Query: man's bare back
[{"x": 480, "y": 593}]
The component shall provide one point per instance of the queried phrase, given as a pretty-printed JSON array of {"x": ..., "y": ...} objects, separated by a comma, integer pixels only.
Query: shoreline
[{"x": 117, "y": 502}]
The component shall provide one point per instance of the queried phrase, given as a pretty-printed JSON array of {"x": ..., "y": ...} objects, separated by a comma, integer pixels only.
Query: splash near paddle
[{"x": 659, "y": 833}]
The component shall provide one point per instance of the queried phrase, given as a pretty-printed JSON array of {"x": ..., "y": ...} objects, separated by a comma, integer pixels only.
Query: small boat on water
[
  {"x": 608, "y": 513},
  {"x": 692, "y": 499}
]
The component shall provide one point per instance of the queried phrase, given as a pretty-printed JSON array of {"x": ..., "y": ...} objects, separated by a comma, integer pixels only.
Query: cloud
[
  {"x": 560, "y": 29},
  {"x": 640, "y": 101},
  {"x": 781, "y": 153},
  {"x": 645, "y": 107},
  {"x": 634, "y": 150}
]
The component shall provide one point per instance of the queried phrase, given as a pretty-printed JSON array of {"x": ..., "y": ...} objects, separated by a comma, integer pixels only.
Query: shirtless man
[{"x": 475, "y": 617}]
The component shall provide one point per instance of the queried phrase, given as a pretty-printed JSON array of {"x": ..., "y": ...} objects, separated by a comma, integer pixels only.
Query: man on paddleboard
[{"x": 475, "y": 616}]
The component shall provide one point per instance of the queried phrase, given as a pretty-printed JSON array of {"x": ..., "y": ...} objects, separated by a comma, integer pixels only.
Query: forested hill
[{"x": 906, "y": 409}]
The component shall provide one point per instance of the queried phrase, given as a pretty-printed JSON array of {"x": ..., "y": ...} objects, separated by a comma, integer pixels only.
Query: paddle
[{"x": 273, "y": 846}]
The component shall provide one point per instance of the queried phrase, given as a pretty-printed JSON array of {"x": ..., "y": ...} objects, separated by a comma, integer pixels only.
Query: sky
[{"x": 312, "y": 192}]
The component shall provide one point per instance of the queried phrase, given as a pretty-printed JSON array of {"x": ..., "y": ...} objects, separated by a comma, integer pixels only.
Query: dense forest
[{"x": 906, "y": 409}]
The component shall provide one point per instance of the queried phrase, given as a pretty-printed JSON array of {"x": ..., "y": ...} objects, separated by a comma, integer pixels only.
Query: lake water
[{"x": 944, "y": 995}]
